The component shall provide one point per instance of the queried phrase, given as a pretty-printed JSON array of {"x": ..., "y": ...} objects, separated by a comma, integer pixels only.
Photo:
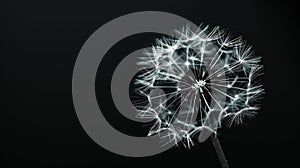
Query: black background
[{"x": 40, "y": 41}]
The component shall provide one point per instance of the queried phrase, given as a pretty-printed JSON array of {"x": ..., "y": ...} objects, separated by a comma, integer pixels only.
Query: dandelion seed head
[{"x": 206, "y": 79}]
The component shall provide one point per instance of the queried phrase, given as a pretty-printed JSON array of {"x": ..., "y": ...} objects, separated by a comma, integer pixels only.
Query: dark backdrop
[{"x": 40, "y": 41}]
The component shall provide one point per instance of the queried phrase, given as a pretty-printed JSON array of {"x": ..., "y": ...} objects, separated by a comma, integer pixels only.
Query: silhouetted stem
[{"x": 219, "y": 151}]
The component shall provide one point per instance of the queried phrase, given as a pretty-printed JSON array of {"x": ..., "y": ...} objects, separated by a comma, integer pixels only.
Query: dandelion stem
[{"x": 219, "y": 151}]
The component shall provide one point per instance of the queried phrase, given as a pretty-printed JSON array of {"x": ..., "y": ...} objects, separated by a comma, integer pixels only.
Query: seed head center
[{"x": 199, "y": 83}]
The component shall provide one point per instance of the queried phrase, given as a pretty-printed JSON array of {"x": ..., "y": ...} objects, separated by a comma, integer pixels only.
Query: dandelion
[{"x": 196, "y": 82}]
